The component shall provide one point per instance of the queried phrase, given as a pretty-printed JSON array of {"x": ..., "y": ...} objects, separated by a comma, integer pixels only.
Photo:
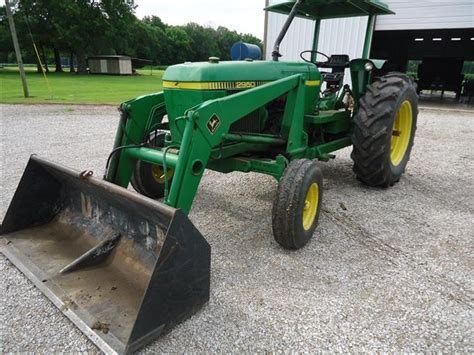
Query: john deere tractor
[{"x": 73, "y": 234}]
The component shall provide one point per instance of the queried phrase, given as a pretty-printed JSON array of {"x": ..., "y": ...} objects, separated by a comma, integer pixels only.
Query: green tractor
[{"x": 270, "y": 117}]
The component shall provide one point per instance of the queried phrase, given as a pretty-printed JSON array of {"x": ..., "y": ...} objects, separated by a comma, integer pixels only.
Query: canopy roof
[{"x": 325, "y": 9}]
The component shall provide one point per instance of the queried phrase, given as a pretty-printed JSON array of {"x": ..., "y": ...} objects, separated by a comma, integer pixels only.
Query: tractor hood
[
  {"x": 190, "y": 84},
  {"x": 234, "y": 71}
]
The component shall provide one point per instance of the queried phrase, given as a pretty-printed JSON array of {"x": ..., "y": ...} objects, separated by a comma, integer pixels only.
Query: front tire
[
  {"x": 297, "y": 205},
  {"x": 384, "y": 130},
  {"x": 148, "y": 179}
]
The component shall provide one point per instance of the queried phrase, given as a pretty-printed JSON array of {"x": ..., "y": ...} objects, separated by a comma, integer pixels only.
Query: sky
[{"x": 246, "y": 16}]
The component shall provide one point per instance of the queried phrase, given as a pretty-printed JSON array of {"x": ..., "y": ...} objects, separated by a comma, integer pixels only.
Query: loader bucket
[{"x": 122, "y": 267}]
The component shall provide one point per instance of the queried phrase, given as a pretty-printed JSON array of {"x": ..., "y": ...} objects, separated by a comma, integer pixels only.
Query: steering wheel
[{"x": 309, "y": 60}]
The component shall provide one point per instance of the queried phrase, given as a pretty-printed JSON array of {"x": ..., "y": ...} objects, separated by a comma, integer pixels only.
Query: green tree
[
  {"x": 34, "y": 20},
  {"x": 94, "y": 27},
  {"x": 154, "y": 21},
  {"x": 179, "y": 46},
  {"x": 249, "y": 38},
  {"x": 225, "y": 40},
  {"x": 149, "y": 42},
  {"x": 120, "y": 18},
  {"x": 203, "y": 42},
  {"x": 6, "y": 44}
]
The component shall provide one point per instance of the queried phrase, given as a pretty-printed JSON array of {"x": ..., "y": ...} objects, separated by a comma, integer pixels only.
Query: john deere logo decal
[{"x": 213, "y": 123}]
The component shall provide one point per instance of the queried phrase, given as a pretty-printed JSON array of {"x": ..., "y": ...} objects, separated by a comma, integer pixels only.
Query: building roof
[
  {"x": 326, "y": 9},
  {"x": 110, "y": 57}
]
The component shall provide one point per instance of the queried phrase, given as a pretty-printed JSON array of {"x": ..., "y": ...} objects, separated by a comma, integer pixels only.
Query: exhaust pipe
[{"x": 122, "y": 267}]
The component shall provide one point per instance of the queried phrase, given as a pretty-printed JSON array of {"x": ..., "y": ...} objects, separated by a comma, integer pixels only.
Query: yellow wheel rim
[
  {"x": 159, "y": 174},
  {"x": 310, "y": 206},
  {"x": 401, "y": 133}
]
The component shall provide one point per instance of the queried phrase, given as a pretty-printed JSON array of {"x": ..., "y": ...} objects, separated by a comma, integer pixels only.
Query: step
[{"x": 327, "y": 116}]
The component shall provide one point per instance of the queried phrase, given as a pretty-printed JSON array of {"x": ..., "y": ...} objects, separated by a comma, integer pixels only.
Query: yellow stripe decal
[
  {"x": 312, "y": 83},
  {"x": 185, "y": 85},
  {"x": 215, "y": 85},
  {"x": 222, "y": 85}
]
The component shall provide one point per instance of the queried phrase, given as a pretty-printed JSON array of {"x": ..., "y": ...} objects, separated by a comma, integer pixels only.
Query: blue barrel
[{"x": 242, "y": 51}]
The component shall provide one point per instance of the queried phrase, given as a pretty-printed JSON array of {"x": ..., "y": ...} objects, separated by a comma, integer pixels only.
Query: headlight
[{"x": 368, "y": 66}]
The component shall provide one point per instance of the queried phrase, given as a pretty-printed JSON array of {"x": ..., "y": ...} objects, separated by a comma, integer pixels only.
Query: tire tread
[{"x": 373, "y": 128}]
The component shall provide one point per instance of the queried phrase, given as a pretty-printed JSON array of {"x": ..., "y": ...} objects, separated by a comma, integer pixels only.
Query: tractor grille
[{"x": 248, "y": 124}]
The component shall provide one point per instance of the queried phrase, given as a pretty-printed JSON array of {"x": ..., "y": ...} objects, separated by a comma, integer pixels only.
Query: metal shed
[{"x": 110, "y": 64}]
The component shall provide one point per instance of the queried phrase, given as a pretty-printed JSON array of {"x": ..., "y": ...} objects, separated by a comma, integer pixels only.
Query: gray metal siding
[
  {"x": 110, "y": 65},
  {"x": 343, "y": 36},
  {"x": 125, "y": 66},
  {"x": 337, "y": 36},
  {"x": 298, "y": 38},
  {"x": 427, "y": 14}
]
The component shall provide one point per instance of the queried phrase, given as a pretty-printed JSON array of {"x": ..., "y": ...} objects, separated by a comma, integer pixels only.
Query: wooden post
[{"x": 17, "y": 48}]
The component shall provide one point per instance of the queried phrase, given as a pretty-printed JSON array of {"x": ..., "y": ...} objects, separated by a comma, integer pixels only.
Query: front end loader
[{"x": 127, "y": 267}]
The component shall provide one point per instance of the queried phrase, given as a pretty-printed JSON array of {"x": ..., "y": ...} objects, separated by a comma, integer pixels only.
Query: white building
[{"x": 420, "y": 28}]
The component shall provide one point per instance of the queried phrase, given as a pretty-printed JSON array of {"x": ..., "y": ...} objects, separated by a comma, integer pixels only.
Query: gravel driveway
[{"x": 387, "y": 270}]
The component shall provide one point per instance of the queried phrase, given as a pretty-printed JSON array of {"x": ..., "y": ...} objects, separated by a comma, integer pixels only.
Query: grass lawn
[{"x": 78, "y": 89}]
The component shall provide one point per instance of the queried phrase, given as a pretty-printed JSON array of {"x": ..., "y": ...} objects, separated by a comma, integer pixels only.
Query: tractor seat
[{"x": 336, "y": 61}]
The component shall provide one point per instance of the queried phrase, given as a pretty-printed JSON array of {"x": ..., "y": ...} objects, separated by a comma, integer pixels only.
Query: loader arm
[
  {"x": 205, "y": 127},
  {"x": 138, "y": 117}
]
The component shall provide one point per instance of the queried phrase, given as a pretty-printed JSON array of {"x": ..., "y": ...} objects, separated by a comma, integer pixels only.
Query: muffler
[{"x": 122, "y": 267}]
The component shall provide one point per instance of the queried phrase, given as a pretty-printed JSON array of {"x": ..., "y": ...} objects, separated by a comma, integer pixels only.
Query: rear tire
[
  {"x": 384, "y": 130},
  {"x": 147, "y": 179},
  {"x": 297, "y": 204}
]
